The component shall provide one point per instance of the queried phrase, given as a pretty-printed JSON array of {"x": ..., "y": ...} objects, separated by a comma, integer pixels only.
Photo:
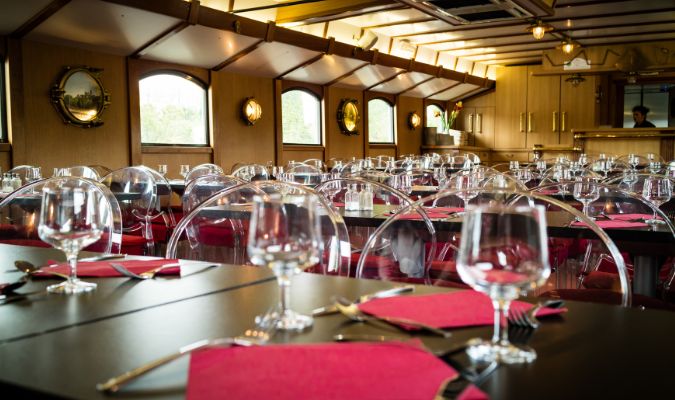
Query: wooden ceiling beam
[
  {"x": 547, "y": 20},
  {"x": 391, "y": 78},
  {"x": 416, "y": 85},
  {"x": 345, "y": 75},
  {"x": 301, "y": 65},
  {"x": 243, "y": 53},
  {"x": 442, "y": 90},
  {"x": 42, "y": 15}
]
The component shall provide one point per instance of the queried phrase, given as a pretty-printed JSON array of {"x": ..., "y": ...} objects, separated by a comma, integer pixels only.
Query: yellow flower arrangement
[{"x": 448, "y": 119}]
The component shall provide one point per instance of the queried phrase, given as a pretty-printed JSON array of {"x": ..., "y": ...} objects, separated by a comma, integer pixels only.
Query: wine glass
[
  {"x": 657, "y": 190},
  {"x": 503, "y": 252},
  {"x": 463, "y": 183},
  {"x": 184, "y": 170},
  {"x": 586, "y": 191},
  {"x": 332, "y": 188},
  {"x": 162, "y": 169},
  {"x": 285, "y": 237},
  {"x": 70, "y": 219}
]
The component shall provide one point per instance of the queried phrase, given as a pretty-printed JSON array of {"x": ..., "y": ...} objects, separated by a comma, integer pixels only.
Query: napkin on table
[{"x": 100, "y": 269}]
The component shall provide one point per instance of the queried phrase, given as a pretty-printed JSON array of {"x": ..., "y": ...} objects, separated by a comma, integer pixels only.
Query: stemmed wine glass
[
  {"x": 285, "y": 237},
  {"x": 503, "y": 252},
  {"x": 586, "y": 191},
  {"x": 657, "y": 190},
  {"x": 332, "y": 188},
  {"x": 162, "y": 169},
  {"x": 70, "y": 219},
  {"x": 184, "y": 170},
  {"x": 464, "y": 183}
]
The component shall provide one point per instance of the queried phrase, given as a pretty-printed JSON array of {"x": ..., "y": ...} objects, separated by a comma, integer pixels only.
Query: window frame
[
  {"x": 392, "y": 106},
  {"x": 319, "y": 98},
  {"x": 427, "y": 104},
  {"x": 4, "y": 127},
  {"x": 189, "y": 77}
]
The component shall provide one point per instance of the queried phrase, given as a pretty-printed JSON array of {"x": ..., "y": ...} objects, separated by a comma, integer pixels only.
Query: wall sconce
[
  {"x": 575, "y": 79},
  {"x": 539, "y": 29},
  {"x": 251, "y": 111},
  {"x": 414, "y": 120},
  {"x": 568, "y": 46}
]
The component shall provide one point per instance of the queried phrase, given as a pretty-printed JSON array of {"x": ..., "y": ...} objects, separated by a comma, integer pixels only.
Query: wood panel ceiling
[{"x": 445, "y": 49}]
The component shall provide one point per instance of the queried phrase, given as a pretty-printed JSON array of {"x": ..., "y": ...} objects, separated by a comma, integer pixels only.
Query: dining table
[{"x": 62, "y": 346}]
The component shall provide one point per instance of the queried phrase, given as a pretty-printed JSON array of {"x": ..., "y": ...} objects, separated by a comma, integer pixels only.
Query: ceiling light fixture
[
  {"x": 539, "y": 29},
  {"x": 568, "y": 46},
  {"x": 575, "y": 79}
]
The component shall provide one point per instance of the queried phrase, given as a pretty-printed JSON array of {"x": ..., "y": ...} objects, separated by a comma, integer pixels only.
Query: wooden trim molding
[
  {"x": 318, "y": 90},
  {"x": 176, "y": 150},
  {"x": 49, "y": 10},
  {"x": 5, "y": 147},
  {"x": 136, "y": 69}
]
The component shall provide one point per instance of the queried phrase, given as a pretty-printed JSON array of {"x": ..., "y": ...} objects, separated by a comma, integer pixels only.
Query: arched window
[
  {"x": 434, "y": 115},
  {"x": 300, "y": 117},
  {"x": 173, "y": 110},
  {"x": 380, "y": 121}
]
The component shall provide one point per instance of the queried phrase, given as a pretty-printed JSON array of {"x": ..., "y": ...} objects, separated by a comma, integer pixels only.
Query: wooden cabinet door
[
  {"x": 543, "y": 109},
  {"x": 511, "y": 107},
  {"x": 577, "y": 107},
  {"x": 484, "y": 127}
]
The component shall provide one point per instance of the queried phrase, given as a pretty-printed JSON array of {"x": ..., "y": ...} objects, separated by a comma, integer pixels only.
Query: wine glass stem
[
  {"x": 284, "y": 293},
  {"x": 501, "y": 333},
  {"x": 72, "y": 261},
  {"x": 585, "y": 210}
]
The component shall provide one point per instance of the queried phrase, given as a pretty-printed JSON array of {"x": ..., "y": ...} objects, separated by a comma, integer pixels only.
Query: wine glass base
[
  {"x": 286, "y": 321},
  {"x": 652, "y": 221},
  {"x": 72, "y": 287},
  {"x": 486, "y": 351}
]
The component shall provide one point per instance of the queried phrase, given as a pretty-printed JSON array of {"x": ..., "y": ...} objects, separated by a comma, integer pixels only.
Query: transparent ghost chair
[
  {"x": 164, "y": 219},
  {"x": 81, "y": 171},
  {"x": 252, "y": 172},
  {"x": 202, "y": 188},
  {"x": 101, "y": 170},
  {"x": 136, "y": 192},
  {"x": 305, "y": 175},
  {"x": 24, "y": 172},
  {"x": 20, "y": 215},
  {"x": 424, "y": 251},
  {"x": 203, "y": 169},
  {"x": 217, "y": 229},
  {"x": 315, "y": 162}
]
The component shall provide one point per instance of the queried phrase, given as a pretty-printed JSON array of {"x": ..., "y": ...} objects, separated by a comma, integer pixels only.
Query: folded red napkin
[
  {"x": 445, "y": 310},
  {"x": 613, "y": 224},
  {"x": 392, "y": 370},
  {"x": 630, "y": 217},
  {"x": 338, "y": 204},
  {"x": 102, "y": 269},
  {"x": 448, "y": 210},
  {"x": 416, "y": 215}
]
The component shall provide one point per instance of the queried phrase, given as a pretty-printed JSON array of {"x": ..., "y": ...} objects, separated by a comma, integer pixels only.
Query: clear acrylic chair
[
  {"x": 24, "y": 172},
  {"x": 426, "y": 248},
  {"x": 252, "y": 172},
  {"x": 136, "y": 192},
  {"x": 203, "y": 169},
  {"x": 20, "y": 215},
  {"x": 304, "y": 174},
  {"x": 81, "y": 171},
  {"x": 217, "y": 229},
  {"x": 202, "y": 188}
]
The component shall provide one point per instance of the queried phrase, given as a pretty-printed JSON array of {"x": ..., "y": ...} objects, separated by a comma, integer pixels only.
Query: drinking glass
[
  {"x": 503, "y": 253},
  {"x": 161, "y": 168},
  {"x": 285, "y": 237},
  {"x": 70, "y": 219},
  {"x": 184, "y": 170},
  {"x": 657, "y": 190},
  {"x": 463, "y": 183},
  {"x": 633, "y": 160},
  {"x": 586, "y": 191},
  {"x": 332, "y": 188}
]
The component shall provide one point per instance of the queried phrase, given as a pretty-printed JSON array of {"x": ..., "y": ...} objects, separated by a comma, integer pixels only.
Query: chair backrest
[
  {"x": 81, "y": 171},
  {"x": 203, "y": 187},
  {"x": 217, "y": 229},
  {"x": 136, "y": 193},
  {"x": 303, "y": 174},
  {"x": 23, "y": 171},
  {"x": 252, "y": 172},
  {"x": 430, "y": 248},
  {"x": 20, "y": 214},
  {"x": 203, "y": 169}
]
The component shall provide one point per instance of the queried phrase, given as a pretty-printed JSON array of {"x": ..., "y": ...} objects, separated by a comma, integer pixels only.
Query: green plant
[{"x": 448, "y": 119}]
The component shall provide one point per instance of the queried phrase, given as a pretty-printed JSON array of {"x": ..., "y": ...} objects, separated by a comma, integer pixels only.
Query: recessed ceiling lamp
[
  {"x": 568, "y": 46},
  {"x": 539, "y": 29}
]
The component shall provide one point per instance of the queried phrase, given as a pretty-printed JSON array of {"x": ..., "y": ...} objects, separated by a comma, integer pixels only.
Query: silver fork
[
  {"x": 528, "y": 319},
  {"x": 251, "y": 337}
]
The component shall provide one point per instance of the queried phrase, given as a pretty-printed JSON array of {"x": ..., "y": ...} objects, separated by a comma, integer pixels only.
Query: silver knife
[
  {"x": 103, "y": 257},
  {"x": 331, "y": 309}
]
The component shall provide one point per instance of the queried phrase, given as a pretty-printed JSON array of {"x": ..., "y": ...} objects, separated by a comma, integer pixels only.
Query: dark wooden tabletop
[{"x": 592, "y": 351}]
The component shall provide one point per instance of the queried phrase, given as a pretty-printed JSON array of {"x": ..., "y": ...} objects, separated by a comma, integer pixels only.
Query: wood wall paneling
[
  {"x": 409, "y": 141},
  {"x": 234, "y": 140},
  {"x": 44, "y": 139}
]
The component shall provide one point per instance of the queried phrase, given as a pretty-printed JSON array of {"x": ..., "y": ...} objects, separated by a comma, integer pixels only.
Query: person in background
[{"x": 640, "y": 117}]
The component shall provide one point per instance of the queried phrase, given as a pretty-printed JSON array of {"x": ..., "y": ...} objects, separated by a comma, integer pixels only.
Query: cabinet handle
[
  {"x": 555, "y": 117},
  {"x": 529, "y": 122},
  {"x": 521, "y": 120},
  {"x": 562, "y": 121},
  {"x": 470, "y": 123},
  {"x": 479, "y": 121}
]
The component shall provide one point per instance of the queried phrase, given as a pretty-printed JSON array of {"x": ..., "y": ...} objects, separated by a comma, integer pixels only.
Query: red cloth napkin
[
  {"x": 102, "y": 269},
  {"x": 414, "y": 215},
  {"x": 319, "y": 371},
  {"x": 338, "y": 204},
  {"x": 445, "y": 310},
  {"x": 447, "y": 210},
  {"x": 613, "y": 224},
  {"x": 631, "y": 217}
]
